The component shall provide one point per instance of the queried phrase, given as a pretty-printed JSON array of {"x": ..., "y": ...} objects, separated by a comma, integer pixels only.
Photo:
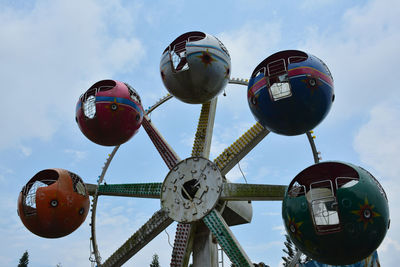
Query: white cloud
[
  {"x": 280, "y": 228},
  {"x": 4, "y": 173},
  {"x": 378, "y": 141},
  {"x": 217, "y": 147},
  {"x": 26, "y": 151},
  {"x": 250, "y": 44},
  {"x": 362, "y": 56},
  {"x": 389, "y": 243},
  {"x": 224, "y": 136},
  {"x": 377, "y": 144},
  {"x": 315, "y": 4},
  {"x": 76, "y": 154},
  {"x": 51, "y": 54}
]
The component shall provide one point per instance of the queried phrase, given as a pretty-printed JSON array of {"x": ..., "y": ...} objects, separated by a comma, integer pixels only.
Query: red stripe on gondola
[
  {"x": 261, "y": 83},
  {"x": 312, "y": 71}
]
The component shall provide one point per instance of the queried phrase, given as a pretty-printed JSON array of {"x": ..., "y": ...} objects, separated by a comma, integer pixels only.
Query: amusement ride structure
[{"x": 329, "y": 204}]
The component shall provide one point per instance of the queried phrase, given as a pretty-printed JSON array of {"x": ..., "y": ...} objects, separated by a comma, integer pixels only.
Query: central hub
[{"x": 191, "y": 189}]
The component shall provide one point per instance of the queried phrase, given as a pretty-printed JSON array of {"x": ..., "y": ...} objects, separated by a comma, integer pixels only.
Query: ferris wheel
[
  {"x": 289, "y": 93},
  {"x": 188, "y": 199}
]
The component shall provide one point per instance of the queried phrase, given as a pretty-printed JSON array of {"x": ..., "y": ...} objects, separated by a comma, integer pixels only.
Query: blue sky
[{"x": 52, "y": 51}]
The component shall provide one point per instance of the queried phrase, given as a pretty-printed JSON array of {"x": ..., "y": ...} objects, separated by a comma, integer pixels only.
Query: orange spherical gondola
[{"x": 54, "y": 203}]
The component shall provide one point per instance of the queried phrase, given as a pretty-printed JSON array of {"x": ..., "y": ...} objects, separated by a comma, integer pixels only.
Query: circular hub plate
[{"x": 191, "y": 189}]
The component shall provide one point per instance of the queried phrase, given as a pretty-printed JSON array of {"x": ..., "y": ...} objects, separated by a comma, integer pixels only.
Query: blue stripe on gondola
[
  {"x": 114, "y": 99},
  {"x": 78, "y": 106},
  {"x": 120, "y": 101}
]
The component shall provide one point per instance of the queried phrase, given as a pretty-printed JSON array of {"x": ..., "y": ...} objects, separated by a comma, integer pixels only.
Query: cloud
[
  {"x": 250, "y": 44},
  {"x": 315, "y": 4},
  {"x": 238, "y": 172},
  {"x": 224, "y": 136},
  {"x": 377, "y": 143},
  {"x": 271, "y": 214},
  {"x": 390, "y": 243},
  {"x": 4, "y": 173},
  {"x": 77, "y": 155},
  {"x": 280, "y": 228},
  {"x": 50, "y": 54},
  {"x": 26, "y": 151},
  {"x": 362, "y": 56}
]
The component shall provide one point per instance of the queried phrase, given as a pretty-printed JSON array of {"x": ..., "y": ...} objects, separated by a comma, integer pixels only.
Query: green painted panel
[
  {"x": 226, "y": 239},
  {"x": 150, "y": 190}
]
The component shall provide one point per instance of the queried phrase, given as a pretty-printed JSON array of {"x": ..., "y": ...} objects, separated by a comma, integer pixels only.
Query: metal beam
[
  {"x": 93, "y": 189},
  {"x": 166, "y": 152},
  {"x": 158, "y": 103},
  {"x": 183, "y": 244},
  {"x": 203, "y": 136},
  {"x": 235, "y": 152},
  {"x": 226, "y": 239},
  {"x": 239, "y": 81},
  {"x": 240, "y": 192},
  {"x": 295, "y": 259},
  {"x": 313, "y": 147},
  {"x": 205, "y": 250},
  {"x": 142, "y": 190},
  {"x": 185, "y": 233},
  {"x": 155, "y": 225}
]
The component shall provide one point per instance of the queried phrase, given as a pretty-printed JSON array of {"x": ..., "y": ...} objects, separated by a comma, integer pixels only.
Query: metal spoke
[
  {"x": 143, "y": 190},
  {"x": 202, "y": 140},
  {"x": 235, "y": 152},
  {"x": 155, "y": 225},
  {"x": 183, "y": 244},
  {"x": 93, "y": 238},
  {"x": 295, "y": 259},
  {"x": 313, "y": 147},
  {"x": 226, "y": 239},
  {"x": 167, "y": 153},
  {"x": 239, "y": 81},
  {"x": 233, "y": 191},
  {"x": 201, "y": 148},
  {"x": 158, "y": 103}
]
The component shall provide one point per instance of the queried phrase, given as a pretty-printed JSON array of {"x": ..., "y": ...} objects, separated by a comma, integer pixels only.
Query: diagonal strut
[
  {"x": 203, "y": 136},
  {"x": 243, "y": 145},
  {"x": 166, "y": 152},
  {"x": 182, "y": 244},
  {"x": 226, "y": 239},
  {"x": 155, "y": 225}
]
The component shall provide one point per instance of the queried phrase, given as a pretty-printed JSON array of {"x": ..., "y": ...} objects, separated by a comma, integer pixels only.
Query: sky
[{"x": 53, "y": 51}]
